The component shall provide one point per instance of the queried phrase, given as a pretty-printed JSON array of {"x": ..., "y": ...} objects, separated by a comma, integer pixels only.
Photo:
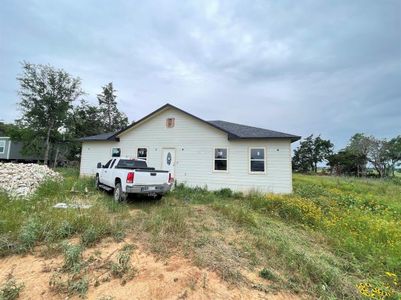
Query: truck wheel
[
  {"x": 119, "y": 195},
  {"x": 97, "y": 182}
]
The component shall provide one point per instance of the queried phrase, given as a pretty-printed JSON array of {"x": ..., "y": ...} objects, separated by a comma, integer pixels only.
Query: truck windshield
[{"x": 131, "y": 164}]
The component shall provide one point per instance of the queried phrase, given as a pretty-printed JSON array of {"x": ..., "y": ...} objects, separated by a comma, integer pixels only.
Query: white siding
[
  {"x": 194, "y": 142},
  {"x": 92, "y": 153}
]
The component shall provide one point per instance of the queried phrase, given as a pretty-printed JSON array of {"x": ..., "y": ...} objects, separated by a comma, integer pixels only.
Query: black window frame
[
  {"x": 119, "y": 153},
  {"x": 220, "y": 159},
  {"x": 141, "y": 157}
]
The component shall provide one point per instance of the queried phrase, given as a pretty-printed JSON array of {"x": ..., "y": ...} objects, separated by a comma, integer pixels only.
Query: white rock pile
[{"x": 21, "y": 180}]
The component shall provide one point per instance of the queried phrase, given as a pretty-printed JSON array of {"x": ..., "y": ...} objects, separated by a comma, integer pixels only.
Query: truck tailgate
[{"x": 150, "y": 177}]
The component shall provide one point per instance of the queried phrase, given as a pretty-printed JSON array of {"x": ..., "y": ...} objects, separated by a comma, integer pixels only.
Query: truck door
[{"x": 103, "y": 174}]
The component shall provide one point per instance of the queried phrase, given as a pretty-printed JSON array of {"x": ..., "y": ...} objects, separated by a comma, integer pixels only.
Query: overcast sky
[{"x": 302, "y": 67}]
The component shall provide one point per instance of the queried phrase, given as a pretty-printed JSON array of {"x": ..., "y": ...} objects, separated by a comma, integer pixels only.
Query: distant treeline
[{"x": 362, "y": 154}]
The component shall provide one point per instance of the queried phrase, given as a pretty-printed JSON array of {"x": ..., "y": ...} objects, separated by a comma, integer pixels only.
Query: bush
[
  {"x": 267, "y": 274},
  {"x": 226, "y": 193}
]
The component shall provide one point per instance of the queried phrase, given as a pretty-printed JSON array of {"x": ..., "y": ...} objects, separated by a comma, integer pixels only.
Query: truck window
[
  {"x": 112, "y": 163},
  {"x": 131, "y": 164},
  {"x": 107, "y": 164}
]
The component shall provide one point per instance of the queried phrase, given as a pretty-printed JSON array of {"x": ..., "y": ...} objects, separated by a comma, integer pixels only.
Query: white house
[{"x": 216, "y": 154}]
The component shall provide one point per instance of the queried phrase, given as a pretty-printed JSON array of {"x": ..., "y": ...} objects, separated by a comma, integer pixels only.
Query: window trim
[
  {"x": 147, "y": 151},
  {"x": 264, "y": 160},
  {"x": 4, "y": 147},
  {"x": 111, "y": 152},
  {"x": 214, "y": 159}
]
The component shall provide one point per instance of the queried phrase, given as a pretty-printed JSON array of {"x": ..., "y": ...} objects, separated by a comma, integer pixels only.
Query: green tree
[
  {"x": 310, "y": 153},
  {"x": 114, "y": 120},
  {"x": 346, "y": 162},
  {"x": 46, "y": 97},
  {"x": 85, "y": 120},
  {"x": 376, "y": 151},
  {"x": 394, "y": 153}
]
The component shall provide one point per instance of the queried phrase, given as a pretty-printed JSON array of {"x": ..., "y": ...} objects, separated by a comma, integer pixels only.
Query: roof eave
[{"x": 99, "y": 140}]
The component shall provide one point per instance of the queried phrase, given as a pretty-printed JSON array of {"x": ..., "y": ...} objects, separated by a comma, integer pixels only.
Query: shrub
[
  {"x": 267, "y": 274},
  {"x": 225, "y": 193}
]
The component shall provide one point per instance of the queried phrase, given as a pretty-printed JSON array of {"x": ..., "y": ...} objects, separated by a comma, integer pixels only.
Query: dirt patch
[{"x": 172, "y": 278}]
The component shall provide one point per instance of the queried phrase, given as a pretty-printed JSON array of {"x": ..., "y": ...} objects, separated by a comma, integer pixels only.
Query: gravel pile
[{"x": 21, "y": 180}]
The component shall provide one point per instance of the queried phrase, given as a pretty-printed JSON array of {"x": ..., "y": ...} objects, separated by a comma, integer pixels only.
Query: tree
[
  {"x": 85, "y": 120},
  {"x": 114, "y": 119},
  {"x": 46, "y": 96},
  {"x": 346, "y": 162},
  {"x": 394, "y": 153},
  {"x": 376, "y": 151},
  {"x": 310, "y": 153}
]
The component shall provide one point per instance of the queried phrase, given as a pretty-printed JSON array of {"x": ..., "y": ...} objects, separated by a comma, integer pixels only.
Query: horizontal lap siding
[
  {"x": 195, "y": 141},
  {"x": 92, "y": 153}
]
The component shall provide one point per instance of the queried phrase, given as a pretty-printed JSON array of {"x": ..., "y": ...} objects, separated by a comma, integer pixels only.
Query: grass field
[{"x": 332, "y": 238}]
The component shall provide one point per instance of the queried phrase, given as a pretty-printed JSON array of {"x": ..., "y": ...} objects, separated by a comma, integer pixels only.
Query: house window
[
  {"x": 220, "y": 159},
  {"x": 115, "y": 152},
  {"x": 257, "y": 160},
  {"x": 170, "y": 122},
  {"x": 2, "y": 146},
  {"x": 142, "y": 153}
]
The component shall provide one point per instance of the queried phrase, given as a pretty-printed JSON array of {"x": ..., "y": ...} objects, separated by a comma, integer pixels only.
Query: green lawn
[{"x": 332, "y": 238}]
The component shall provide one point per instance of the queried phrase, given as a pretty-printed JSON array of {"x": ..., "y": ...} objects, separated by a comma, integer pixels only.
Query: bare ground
[{"x": 171, "y": 278}]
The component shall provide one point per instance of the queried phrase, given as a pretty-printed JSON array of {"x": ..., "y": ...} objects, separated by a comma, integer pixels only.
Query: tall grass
[{"x": 26, "y": 222}]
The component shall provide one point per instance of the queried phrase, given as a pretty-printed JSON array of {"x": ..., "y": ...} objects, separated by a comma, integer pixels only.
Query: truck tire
[{"x": 119, "y": 195}]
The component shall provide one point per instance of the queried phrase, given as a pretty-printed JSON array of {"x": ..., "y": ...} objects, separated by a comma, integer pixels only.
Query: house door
[{"x": 168, "y": 160}]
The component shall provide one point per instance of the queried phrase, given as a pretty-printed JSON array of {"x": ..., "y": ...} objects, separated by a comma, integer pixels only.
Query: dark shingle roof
[
  {"x": 239, "y": 131},
  {"x": 99, "y": 137}
]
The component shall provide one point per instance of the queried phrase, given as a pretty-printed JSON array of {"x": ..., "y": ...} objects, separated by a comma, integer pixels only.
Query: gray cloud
[{"x": 297, "y": 66}]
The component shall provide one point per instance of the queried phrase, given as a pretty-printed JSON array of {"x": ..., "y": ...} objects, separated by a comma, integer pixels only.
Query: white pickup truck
[{"x": 132, "y": 176}]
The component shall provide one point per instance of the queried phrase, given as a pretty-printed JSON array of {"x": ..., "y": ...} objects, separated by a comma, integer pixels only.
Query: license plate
[{"x": 151, "y": 188}]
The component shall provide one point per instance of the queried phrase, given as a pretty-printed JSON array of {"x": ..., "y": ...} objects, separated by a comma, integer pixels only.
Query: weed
[
  {"x": 11, "y": 289},
  {"x": 72, "y": 285},
  {"x": 90, "y": 236},
  {"x": 72, "y": 258},
  {"x": 123, "y": 265},
  {"x": 79, "y": 286},
  {"x": 29, "y": 234}
]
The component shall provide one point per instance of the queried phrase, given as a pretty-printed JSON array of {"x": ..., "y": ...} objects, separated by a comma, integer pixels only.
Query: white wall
[
  {"x": 92, "y": 153},
  {"x": 194, "y": 142}
]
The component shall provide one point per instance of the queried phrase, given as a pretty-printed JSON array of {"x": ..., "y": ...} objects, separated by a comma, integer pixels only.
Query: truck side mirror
[{"x": 99, "y": 165}]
